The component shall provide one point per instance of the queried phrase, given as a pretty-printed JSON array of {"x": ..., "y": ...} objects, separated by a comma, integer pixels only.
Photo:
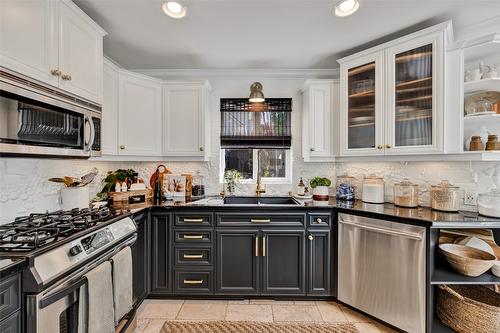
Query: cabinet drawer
[
  {"x": 193, "y": 256},
  {"x": 193, "y": 236},
  {"x": 9, "y": 296},
  {"x": 193, "y": 219},
  {"x": 260, "y": 220},
  {"x": 11, "y": 324},
  {"x": 318, "y": 220},
  {"x": 193, "y": 282}
]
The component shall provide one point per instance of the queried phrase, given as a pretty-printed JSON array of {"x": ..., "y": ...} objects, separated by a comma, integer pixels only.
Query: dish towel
[
  {"x": 100, "y": 300},
  {"x": 122, "y": 283}
]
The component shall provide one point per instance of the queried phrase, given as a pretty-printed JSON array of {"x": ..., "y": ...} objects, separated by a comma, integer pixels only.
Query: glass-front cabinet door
[
  {"x": 362, "y": 105},
  {"x": 414, "y": 110}
]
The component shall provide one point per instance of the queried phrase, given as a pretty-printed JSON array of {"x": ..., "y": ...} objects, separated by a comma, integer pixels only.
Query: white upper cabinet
[
  {"x": 320, "y": 110},
  {"x": 55, "y": 42},
  {"x": 139, "y": 115},
  {"x": 28, "y": 38},
  {"x": 80, "y": 53},
  {"x": 109, "y": 117},
  {"x": 392, "y": 96},
  {"x": 185, "y": 116}
]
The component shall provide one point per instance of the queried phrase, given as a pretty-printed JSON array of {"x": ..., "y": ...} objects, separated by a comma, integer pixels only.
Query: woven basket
[{"x": 469, "y": 309}]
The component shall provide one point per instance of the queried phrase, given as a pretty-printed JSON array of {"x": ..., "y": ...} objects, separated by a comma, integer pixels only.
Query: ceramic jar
[
  {"x": 488, "y": 204},
  {"x": 493, "y": 143},
  {"x": 476, "y": 143},
  {"x": 346, "y": 188}
]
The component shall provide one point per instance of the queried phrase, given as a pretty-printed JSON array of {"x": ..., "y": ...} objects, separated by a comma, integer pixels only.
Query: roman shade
[{"x": 256, "y": 125}]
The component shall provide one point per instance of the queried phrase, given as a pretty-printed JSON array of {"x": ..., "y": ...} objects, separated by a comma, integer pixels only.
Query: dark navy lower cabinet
[
  {"x": 237, "y": 265},
  {"x": 161, "y": 245},
  {"x": 283, "y": 262},
  {"x": 140, "y": 258},
  {"x": 319, "y": 263}
]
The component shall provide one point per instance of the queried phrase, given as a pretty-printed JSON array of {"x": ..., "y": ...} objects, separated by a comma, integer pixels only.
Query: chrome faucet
[{"x": 261, "y": 188}]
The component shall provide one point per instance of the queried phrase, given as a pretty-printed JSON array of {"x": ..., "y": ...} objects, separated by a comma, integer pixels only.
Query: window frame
[{"x": 255, "y": 167}]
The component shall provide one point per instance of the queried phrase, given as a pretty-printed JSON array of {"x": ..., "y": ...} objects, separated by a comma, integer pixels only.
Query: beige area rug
[{"x": 254, "y": 327}]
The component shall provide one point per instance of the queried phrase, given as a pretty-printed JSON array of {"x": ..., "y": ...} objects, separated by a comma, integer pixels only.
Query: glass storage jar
[
  {"x": 406, "y": 194},
  {"x": 373, "y": 189},
  {"x": 445, "y": 197},
  {"x": 198, "y": 186},
  {"x": 488, "y": 204},
  {"x": 346, "y": 187}
]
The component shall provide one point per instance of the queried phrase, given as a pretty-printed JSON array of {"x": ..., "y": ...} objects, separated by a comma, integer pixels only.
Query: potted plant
[{"x": 320, "y": 187}]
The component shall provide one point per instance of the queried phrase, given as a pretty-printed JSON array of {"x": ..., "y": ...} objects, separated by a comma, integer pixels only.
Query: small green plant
[
  {"x": 110, "y": 180},
  {"x": 231, "y": 177},
  {"x": 320, "y": 181}
]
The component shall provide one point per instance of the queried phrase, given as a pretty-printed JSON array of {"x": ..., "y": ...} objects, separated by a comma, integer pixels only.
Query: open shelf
[
  {"x": 444, "y": 274},
  {"x": 482, "y": 85},
  {"x": 481, "y": 155},
  {"x": 484, "y": 119}
]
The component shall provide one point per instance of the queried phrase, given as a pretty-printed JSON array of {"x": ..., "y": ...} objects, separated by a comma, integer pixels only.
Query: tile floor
[{"x": 153, "y": 313}]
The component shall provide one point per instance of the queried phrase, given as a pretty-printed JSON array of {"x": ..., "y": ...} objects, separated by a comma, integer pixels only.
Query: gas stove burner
[{"x": 36, "y": 230}]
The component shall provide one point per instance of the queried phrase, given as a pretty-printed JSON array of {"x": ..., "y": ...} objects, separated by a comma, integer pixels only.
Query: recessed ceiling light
[
  {"x": 174, "y": 9},
  {"x": 346, "y": 7}
]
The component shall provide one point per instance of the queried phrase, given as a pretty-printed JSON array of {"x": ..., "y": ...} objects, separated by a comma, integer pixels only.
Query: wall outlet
[{"x": 470, "y": 198}]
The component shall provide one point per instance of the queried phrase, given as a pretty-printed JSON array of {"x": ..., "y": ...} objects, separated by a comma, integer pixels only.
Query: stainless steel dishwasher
[{"x": 382, "y": 270}]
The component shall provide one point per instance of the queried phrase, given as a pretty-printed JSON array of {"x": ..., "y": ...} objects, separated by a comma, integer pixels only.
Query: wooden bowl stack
[{"x": 467, "y": 260}]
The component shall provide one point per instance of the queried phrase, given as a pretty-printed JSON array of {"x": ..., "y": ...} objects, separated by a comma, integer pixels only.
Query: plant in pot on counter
[
  {"x": 231, "y": 177},
  {"x": 320, "y": 187},
  {"x": 109, "y": 182}
]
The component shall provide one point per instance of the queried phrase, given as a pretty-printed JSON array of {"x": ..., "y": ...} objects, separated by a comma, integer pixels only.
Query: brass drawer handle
[
  {"x": 310, "y": 237},
  {"x": 193, "y": 281},
  {"x": 193, "y": 220},
  {"x": 260, "y": 220},
  {"x": 193, "y": 256},
  {"x": 192, "y": 236},
  {"x": 264, "y": 246},
  {"x": 256, "y": 246}
]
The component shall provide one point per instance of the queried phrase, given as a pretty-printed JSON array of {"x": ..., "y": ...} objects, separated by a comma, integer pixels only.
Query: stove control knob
[{"x": 75, "y": 250}]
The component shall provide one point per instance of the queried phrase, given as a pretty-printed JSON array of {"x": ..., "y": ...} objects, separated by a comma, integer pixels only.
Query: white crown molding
[
  {"x": 473, "y": 31},
  {"x": 173, "y": 74}
]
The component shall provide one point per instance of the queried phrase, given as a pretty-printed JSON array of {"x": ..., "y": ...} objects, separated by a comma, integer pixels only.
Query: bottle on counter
[
  {"x": 157, "y": 189},
  {"x": 124, "y": 185},
  {"x": 118, "y": 186},
  {"x": 301, "y": 188}
]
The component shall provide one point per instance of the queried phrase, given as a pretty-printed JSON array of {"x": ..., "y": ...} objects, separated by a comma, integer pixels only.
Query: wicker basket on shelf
[{"x": 468, "y": 309}]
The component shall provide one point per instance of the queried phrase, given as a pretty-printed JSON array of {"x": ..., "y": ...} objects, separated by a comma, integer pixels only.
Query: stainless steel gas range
[{"x": 61, "y": 248}]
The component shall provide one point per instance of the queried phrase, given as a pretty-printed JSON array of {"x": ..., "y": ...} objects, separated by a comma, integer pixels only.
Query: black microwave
[{"x": 38, "y": 120}]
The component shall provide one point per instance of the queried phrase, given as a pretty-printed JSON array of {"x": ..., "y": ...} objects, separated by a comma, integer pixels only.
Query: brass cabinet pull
[
  {"x": 192, "y": 236},
  {"x": 122, "y": 147},
  {"x": 202, "y": 149},
  {"x": 193, "y": 256},
  {"x": 55, "y": 72},
  {"x": 310, "y": 237},
  {"x": 66, "y": 77},
  {"x": 193, "y": 220},
  {"x": 256, "y": 246},
  {"x": 260, "y": 220},
  {"x": 264, "y": 246},
  {"x": 388, "y": 146},
  {"x": 380, "y": 147},
  {"x": 319, "y": 220},
  {"x": 193, "y": 281},
  {"x": 312, "y": 149}
]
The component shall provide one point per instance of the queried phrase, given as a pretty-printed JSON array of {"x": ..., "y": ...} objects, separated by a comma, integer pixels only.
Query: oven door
[{"x": 62, "y": 308}]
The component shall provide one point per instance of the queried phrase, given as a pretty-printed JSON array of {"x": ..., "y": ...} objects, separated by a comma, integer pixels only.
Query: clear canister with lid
[
  {"x": 346, "y": 187},
  {"x": 373, "y": 189},
  {"x": 406, "y": 194},
  {"x": 445, "y": 197},
  {"x": 198, "y": 186}
]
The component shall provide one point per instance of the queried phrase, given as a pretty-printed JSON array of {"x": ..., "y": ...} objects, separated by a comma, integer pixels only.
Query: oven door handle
[{"x": 46, "y": 301}]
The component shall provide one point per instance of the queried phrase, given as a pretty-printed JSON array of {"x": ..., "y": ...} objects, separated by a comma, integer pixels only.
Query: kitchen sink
[{"x": 260, "y": 201}]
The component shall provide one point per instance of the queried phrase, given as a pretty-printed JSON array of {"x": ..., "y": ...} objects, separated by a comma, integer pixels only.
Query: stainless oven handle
[
  {"x": 48, "y": 300},
  {"x": 88, "y": 144},
  {"x": 392, "y": 232},
  {"x": 99, "y": 260}
]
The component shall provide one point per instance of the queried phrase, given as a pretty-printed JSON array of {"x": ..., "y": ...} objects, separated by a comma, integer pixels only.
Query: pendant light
[{"x": 256, "y": 95}]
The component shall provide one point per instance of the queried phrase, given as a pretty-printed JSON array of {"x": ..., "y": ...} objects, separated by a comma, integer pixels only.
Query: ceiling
[{"x": 292, "y": 34}]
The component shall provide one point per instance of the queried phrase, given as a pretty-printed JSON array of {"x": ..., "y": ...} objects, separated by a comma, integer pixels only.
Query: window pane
[
  {"x": 241, "y": 160},
  {"x": 272, "y": 163}
]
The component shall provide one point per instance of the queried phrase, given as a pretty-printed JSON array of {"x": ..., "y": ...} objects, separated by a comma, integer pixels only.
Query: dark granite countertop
[{"x": 422, "y": 215}]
